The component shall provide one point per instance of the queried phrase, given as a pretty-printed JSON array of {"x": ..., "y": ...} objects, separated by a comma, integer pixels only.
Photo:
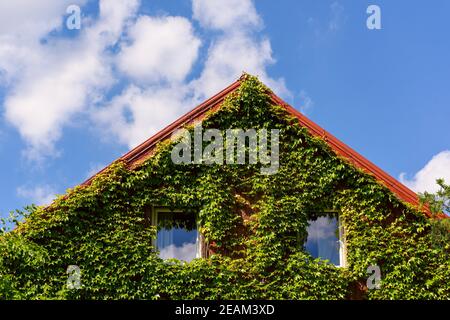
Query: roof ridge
[{"x": 340, "y": 148}]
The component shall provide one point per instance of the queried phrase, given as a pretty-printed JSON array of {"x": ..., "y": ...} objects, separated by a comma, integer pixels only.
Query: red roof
[{"x": 139, "y": 154}]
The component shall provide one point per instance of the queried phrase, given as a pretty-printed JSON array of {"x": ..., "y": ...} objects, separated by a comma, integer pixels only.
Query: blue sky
[{"x": 72, "y": 101}]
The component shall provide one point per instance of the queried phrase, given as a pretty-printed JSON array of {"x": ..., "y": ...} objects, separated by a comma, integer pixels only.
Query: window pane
[
  {"x": 323, "y": 239},
  {"x": 177, "y": 236}
]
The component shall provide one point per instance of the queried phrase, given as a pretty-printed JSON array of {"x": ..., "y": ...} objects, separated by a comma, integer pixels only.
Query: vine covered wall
[{"x": 102, "y": 227}]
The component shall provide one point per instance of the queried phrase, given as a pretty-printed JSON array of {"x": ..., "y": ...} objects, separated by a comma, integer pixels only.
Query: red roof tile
[{"x": 137, "y": 155}]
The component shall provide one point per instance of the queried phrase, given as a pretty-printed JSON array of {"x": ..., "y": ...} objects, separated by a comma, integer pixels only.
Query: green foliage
[
  {"x": 102, "y": 227},
  {"x": 439, "y": 203}
]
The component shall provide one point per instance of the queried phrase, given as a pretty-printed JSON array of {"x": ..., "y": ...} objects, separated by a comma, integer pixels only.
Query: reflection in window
[
  {"x": 177, "y": 235},
  {"x": 324, "y": 239}
]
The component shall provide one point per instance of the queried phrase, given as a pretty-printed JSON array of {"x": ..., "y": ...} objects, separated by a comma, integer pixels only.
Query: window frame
[
  {"x": 342, "y": 243},
  {"x": 199, "y": 241}
]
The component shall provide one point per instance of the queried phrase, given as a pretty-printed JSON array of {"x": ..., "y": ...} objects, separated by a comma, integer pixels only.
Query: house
[{"x": 219, "y": 226}]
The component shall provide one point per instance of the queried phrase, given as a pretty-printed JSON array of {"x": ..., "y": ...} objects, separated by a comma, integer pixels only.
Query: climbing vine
[{"x": 251, "y": 222}]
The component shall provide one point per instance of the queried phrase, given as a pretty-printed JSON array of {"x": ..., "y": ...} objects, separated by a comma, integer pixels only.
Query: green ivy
[{"x": 102, "y": 227}]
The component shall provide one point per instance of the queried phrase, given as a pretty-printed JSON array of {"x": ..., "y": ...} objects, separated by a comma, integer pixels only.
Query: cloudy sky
[{"x": 73, "y": 100}]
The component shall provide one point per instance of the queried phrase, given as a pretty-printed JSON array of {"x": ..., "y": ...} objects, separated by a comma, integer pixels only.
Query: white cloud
[
  {"x": 138, "y": 113},
  {"x": 321, "y": 229},
  {"x": 158, "y": 57},
  {"x": 29, "y": 19},
  {"x": 425, "y": 178},
  {"x": 39, "y": 195},
  {"x": 238, "y": 49},
  {"x": 114, "y": 17},
  {"x": 231, "y": 55},
  {"x": 160, "y": 92},
  {"x": 39, "y": 109},
  {"x": 226, "y": 15},
  {"x": 23, "y": 24},
  {"x": 161, "y": 49},
  {"x": 186, "y": 252},
  {"x": 60, "y": 77},
  {"x": 48, "y": 84}
]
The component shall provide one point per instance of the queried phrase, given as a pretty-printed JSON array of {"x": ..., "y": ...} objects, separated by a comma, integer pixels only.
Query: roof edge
[
  {"x": 148, "y": 144},
  {"x": 340, "y": 148}
]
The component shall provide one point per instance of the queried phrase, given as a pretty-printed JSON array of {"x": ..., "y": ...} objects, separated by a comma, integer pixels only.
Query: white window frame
[
  {"x": 154, "y": 222},
  {"x": 342, "y": 243}
]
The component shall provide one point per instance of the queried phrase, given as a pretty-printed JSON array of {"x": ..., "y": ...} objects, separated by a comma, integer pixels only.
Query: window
[
  {"x": 326, "y": 239},
  {"x": 177, "y": 236}
]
